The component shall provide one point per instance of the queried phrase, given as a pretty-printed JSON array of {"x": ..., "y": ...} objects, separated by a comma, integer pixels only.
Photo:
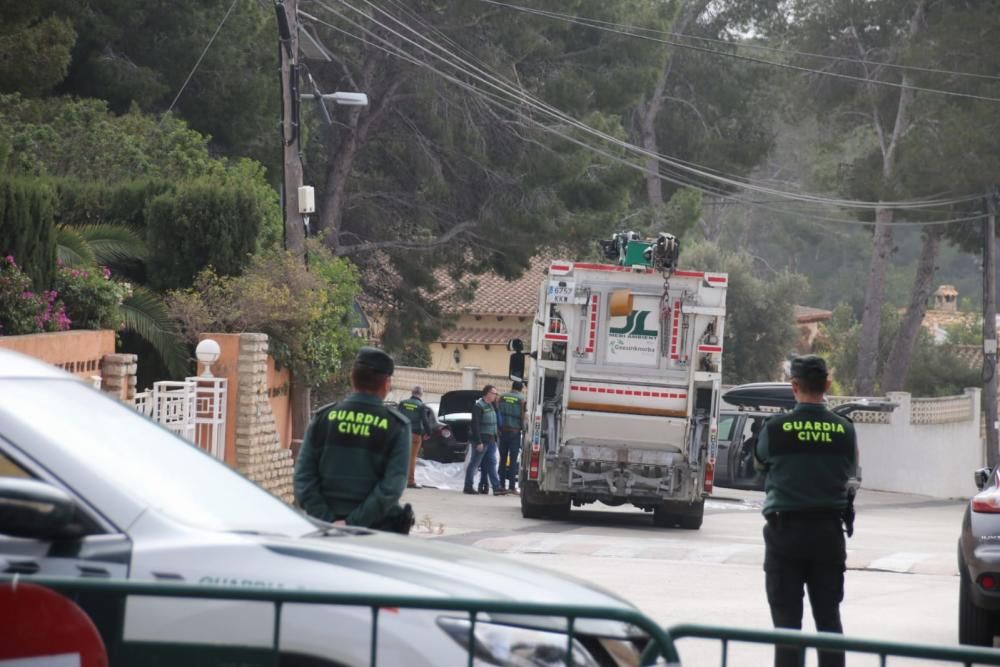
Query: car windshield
[{"x": 144, "y": 460}]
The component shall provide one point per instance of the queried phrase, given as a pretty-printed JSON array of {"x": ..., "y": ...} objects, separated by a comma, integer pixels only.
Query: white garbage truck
[{"x": 623, "y": 383}]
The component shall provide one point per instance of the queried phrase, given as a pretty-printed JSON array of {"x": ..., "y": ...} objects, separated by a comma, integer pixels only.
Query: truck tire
[
  {"x": 688, "y": 516},
  {"x": 976, "y": 626},
  {"x": 537, "y": 504}
]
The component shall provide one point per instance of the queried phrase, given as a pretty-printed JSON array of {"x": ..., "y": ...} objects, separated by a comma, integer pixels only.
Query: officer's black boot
[{"x": 471, "y": 491}]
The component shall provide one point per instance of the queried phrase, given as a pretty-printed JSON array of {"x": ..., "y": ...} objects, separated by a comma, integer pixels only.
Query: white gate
[{"x": 194, "y": 409}]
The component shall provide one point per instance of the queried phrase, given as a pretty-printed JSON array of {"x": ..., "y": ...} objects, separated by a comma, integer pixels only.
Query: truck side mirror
[
  {"x": 621, "y": 303},
  {"x": 515, "y": 371}
]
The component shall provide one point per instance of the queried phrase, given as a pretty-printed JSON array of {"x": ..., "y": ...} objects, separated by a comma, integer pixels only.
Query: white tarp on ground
[{"x": 446, "y": 476}]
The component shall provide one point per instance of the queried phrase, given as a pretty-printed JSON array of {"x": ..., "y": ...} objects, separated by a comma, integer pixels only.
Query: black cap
[
  {"x": 375, "y": 359},
  {"x": 809, "y": 366}
]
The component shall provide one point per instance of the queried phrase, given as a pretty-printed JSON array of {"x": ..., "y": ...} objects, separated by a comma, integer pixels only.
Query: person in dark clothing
[
  {"x": 353, "y": 462},
  {"x": 483, "y": 441},
  {"x": 512, "y": 414},
  {"x": 807, "y": 455},
  {"x": 421, "y": 426}
]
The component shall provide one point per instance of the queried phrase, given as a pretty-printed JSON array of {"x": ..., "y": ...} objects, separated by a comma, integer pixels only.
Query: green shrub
[
  {"x": 306, "y": 312},
  {"x": 92, "y": 299},
  {"x": 94, "y": 202},
  {"x": 23, "y": 311},
  {"x": 27, "y": 227},
  {"x": 206, "y": 223}
]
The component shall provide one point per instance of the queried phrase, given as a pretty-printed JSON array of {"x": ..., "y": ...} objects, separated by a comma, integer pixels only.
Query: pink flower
[
  {"x": 10, "y": 260},
  {"x": 107, "y": 273}
]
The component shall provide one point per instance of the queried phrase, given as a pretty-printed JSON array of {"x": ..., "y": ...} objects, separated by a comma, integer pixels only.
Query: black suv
[{"x": 743, "y": 412}]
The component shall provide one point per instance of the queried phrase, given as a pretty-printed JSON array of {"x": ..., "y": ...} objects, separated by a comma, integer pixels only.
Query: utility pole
[
  {"x": 295, "y": 233},
  {"x": 288, "y": 49},
  {"x": 990, "y": 328}
]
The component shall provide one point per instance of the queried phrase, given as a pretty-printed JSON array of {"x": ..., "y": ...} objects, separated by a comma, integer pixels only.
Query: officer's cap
[
  {"x": 375, "y": 359},
  {"x": 809, "y": 366}
]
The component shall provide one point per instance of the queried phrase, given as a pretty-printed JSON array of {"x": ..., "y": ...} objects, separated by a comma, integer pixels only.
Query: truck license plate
[{"x": 561, "y": 291}]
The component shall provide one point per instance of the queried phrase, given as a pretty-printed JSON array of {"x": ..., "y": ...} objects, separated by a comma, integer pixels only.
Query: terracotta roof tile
[
  {"x": 482, "y": 335},
  {"x": 495, "y": 295},
  {"x": 806, "y": 314}
]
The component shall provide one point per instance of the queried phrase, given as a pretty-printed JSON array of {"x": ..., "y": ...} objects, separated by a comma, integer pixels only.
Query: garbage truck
[{"x": 622, "y": 381}]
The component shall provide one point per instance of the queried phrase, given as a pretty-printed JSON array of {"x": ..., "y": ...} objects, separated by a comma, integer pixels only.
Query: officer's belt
[
  {"x": 511, "y": 429},
  {"x": 805, "y": 515}
]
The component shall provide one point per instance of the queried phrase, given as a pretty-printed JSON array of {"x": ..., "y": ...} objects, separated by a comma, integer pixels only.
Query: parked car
[
  {"x": 450, "y": 442},
  {"x": 979, "y": 563},
  {"x": 90, "y": 488},
  {"x": 743, "y": 412}
]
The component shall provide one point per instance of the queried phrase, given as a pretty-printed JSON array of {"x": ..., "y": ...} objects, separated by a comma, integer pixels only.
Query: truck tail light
[
  {"x": 533, "y": 464},
  {"x": 709, "y": 475},
  {"x": 987, "y": 502}
]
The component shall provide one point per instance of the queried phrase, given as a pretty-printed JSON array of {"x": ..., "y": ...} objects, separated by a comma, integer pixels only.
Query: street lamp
[{"x": 207, "y": 352}]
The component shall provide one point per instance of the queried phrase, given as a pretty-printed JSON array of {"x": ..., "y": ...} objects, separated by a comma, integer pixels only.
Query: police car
[
  {"x": 741, "y": 416},
  {"x": 89, "y": 488}
]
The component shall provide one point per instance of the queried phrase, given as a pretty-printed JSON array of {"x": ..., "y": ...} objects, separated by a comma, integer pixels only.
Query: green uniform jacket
[
  {"x": 415, "y": 410},
  {"x": 511, "y": 407},
  {"x": 808, "y": 455},
  {"x": 354, "y": 461}
]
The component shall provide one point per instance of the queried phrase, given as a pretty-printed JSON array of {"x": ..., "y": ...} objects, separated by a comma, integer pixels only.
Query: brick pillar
[
  {"x": 118, "y": 375},
  {"x": 259, "y": 454}
]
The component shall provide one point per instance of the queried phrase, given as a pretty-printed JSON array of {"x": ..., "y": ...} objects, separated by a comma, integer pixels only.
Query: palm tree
[{"x": 144, "y": 312}]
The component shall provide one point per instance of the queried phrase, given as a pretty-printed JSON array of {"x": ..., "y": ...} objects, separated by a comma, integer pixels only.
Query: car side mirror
[
  {"x": 981, "y": 476},
  {"x": 36, "y": 510}
]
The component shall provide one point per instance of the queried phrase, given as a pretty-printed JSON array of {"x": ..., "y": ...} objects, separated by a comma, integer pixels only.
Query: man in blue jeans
[{"x": 483, "y": 442}]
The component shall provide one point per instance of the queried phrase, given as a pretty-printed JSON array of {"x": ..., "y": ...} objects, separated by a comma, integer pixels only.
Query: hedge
[{"x": 27, "y": 227}]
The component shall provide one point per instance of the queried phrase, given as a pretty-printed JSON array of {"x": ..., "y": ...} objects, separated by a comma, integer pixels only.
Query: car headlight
[{"x": 513, "y": 646}]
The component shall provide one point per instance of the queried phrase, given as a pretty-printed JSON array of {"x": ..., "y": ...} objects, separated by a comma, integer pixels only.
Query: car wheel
[{"x": 976, "y": 626}]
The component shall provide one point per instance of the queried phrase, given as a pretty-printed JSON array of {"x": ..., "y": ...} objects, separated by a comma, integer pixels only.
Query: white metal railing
[{"x": 194, "y": 409}]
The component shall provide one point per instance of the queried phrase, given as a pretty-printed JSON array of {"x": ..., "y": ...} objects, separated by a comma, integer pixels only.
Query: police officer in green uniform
[
  {"x": 420, "y": 428},
  {"x": 354, "y": 457},
  {"x": 808, "y": 455},
  {"x": 511, "y": 408}
]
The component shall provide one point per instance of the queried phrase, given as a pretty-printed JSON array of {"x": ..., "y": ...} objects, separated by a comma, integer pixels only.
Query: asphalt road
[{"x": 901, "y": 584}]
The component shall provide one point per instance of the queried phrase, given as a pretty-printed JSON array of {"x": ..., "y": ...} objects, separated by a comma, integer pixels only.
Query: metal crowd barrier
[
  {"x": 964, "y": 655},
  {"x": 661, "y": 648}
]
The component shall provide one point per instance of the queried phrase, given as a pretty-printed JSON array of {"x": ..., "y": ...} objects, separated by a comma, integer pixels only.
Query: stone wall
[
  {"x": 259, "y": 454},
  {"x": 118, "y": 375}
]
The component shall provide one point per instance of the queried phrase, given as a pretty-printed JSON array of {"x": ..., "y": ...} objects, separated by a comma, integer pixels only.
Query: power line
[
  {"x": 518, "y": 94},
  {"x": 198, "y": 62},
  {"x": 760, "y": 61},
  {"x": 746, "y": 45},
  {"x": 503, "y": 104}
]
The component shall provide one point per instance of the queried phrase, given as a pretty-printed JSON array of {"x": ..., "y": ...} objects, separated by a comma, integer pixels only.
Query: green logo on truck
[{"x": 635, "y": 325}]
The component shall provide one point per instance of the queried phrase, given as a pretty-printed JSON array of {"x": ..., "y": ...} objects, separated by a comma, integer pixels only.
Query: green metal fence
[
  {"x": 114, "y": 594},
  {"x": 660, "y": 648},
  {"x": 964, "y": 655}
]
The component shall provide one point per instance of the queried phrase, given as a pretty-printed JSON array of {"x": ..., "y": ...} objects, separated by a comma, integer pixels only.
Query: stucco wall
[
  {"x": 930, "y": 459},
  {"x": 79, "y": 352}
]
